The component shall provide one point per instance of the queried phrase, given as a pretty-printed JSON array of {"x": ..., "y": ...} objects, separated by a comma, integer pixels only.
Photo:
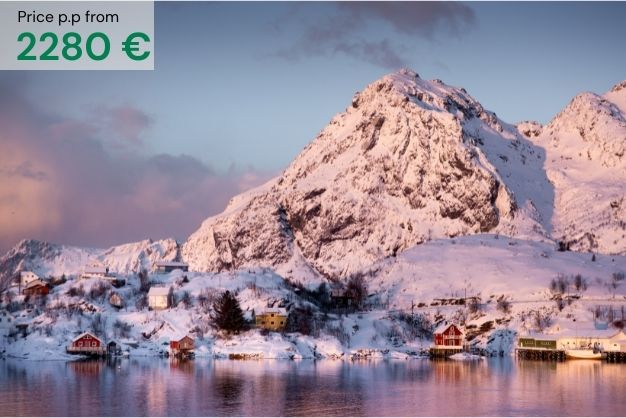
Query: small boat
[{"x": 584, "y": 353}]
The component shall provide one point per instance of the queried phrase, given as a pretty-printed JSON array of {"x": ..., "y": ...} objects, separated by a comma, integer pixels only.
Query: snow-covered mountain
[
  {"x": 46, "y": 259},
  {"x": 584, "y": 146},
  {"x": 411, "y": 160}
]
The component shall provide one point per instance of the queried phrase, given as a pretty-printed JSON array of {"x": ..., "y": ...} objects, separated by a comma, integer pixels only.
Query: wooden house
[
  {"x": 182, "y": 347},
  {"x": 170, "y": 266},
  {"x": 158, "y": 297},
  {"x": 87, "y": 343},
  {"x": 449, "y": 336},
  {"x": 114, "y": 348},
  {"x": 274, "y": 319},
  {"x": 340, "y": 297},
  {"x": 36, "y": 288}
]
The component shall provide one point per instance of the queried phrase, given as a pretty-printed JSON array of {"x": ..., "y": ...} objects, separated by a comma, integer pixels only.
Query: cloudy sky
[{"x": 98, "y": 158}]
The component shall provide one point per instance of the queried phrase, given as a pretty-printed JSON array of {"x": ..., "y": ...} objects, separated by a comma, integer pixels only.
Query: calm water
[{"x": 208, "y": 387}]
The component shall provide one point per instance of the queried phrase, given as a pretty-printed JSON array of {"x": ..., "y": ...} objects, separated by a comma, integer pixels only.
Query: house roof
[
  {"x": 35, "y": 283},
  {"x": 279, "y": 311},
  {"x": 171, "y": 264},
  {"x": 158, "y": 291},
  {"x": 610, "y": 333},
  {"x": 85, "y": 334},
  {"x": 442, "y": 328},
  {"x": 180, "y": 337},
  {"x": 95, "y": 270}
]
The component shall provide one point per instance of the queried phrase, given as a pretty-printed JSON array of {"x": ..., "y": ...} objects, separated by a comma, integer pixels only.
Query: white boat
[{"x": 584, "y": 353}]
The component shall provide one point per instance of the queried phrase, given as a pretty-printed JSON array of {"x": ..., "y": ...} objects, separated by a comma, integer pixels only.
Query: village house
[
  {"x": 449, "y": 336},
  {"x": 96, "y": 271},
  {"x": 36, "y": 288},
  {"x": 7, "y": 323},
  {"x": 340, "y": 297},
  {"x": 158, "y": 297},
  {"x": 169, "y": 266},
  {"x": 273, "y": 319},
  {"x": 603, "y": 340},
  {"x": 182, "y": 347},
  {"x": 86, "y": 343},
  {"x": 114, "y": 348},
  {"x": 27, "y": 277}
]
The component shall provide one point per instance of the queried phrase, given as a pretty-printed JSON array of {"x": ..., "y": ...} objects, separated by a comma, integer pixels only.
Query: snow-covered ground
[{"x": 429, "y": 281}]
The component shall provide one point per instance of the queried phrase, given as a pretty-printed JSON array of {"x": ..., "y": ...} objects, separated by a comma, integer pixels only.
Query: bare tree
[
  {"x": 580, "y": 283},
  {"x": 144, "y": 281},
  {"x": 504, "y": 305},
  {"x": 357, "y": 289}
]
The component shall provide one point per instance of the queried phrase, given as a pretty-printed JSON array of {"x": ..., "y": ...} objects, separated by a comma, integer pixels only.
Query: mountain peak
[{"x": 619, "y": 87}]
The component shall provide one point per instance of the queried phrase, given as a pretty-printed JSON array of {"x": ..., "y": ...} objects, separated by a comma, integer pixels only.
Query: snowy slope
[
  {"x": 410, "y": 160},
  {"x": 584, "y": 160},
  {"x": 486, "y": 266}
]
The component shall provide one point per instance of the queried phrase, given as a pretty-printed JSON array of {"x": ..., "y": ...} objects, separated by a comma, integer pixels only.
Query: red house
[
  {"x": 86, "y": 343},
  {"x": 182, "y": 347},
  {"x": 36, "y": 288},
  {"x": 449, "y": 335}
]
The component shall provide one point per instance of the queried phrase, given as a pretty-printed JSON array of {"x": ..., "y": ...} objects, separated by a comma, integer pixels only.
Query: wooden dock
[
  {"x": 540, "y": 354},
  {"x": 437, "y": 352},
  {"x": 89, "y": 351},
  {"x": 615, "y": 357}
]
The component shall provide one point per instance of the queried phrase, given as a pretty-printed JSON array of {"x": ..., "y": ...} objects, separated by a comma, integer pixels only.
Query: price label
[{"x": 80, "y": 35}]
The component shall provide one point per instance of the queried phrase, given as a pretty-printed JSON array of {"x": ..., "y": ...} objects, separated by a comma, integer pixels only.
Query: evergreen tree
[{"x": 227, "y": 314}]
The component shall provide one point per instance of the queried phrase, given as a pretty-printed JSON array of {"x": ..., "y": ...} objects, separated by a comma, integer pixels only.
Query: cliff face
[{"x": 409, "y": 160}]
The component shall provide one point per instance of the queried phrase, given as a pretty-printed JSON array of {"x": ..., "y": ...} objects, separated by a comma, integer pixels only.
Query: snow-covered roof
[
  {"x": 610, "y": 333},
  {"x": 95, "y": 270},
  {"x": 441, "y": 328},
  {"x": 85, "y": 334},
  {"x": 171, "y": 264},
  {"x": 159, "y": 291},
  {"x": 279, "y": 311},
  {"x": 34, "y": 283},
  {"x": 178, "y": 337}
]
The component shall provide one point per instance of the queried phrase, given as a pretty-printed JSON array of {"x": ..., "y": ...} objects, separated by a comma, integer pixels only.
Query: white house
[
  {"x": 606, "y": 340},
  {"x": 169, "y": 266},
  {"x": 27, "y": 277},
  {"x": 95, "y": 271},
  {"x": 7, "y": 322},
  {"x": 158, "y": 297}
]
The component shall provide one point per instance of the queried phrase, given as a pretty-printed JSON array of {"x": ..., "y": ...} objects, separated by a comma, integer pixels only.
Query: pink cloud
[{"x": 60, "y": 182}]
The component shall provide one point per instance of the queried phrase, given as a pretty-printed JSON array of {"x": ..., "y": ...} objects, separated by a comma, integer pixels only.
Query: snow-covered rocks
[{"x": 402, "y": 165}]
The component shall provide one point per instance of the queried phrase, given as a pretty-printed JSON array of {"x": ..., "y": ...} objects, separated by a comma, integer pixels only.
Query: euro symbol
[{"x": 130, "y": 46}]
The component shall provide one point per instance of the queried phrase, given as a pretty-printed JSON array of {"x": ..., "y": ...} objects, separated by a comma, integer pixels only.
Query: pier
[
  {"x": 439, "y": 352},
  {"x": 540, "y": 354}
]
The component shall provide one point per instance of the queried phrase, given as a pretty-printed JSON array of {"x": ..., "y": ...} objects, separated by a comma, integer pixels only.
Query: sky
[{"x": 97, "y": 158}]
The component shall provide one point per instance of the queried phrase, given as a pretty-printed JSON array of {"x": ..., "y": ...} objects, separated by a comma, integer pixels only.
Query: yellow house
[{"x": 274, "y": 319}]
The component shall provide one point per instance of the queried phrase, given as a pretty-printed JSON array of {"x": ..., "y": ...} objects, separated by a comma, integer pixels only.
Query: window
[
  {"x": 93, "y": 344},
  {"x": 272, "y": 322}
]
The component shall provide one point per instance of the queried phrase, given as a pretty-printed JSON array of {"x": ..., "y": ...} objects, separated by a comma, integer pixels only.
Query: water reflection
[{"x": 148, "y": 386}]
